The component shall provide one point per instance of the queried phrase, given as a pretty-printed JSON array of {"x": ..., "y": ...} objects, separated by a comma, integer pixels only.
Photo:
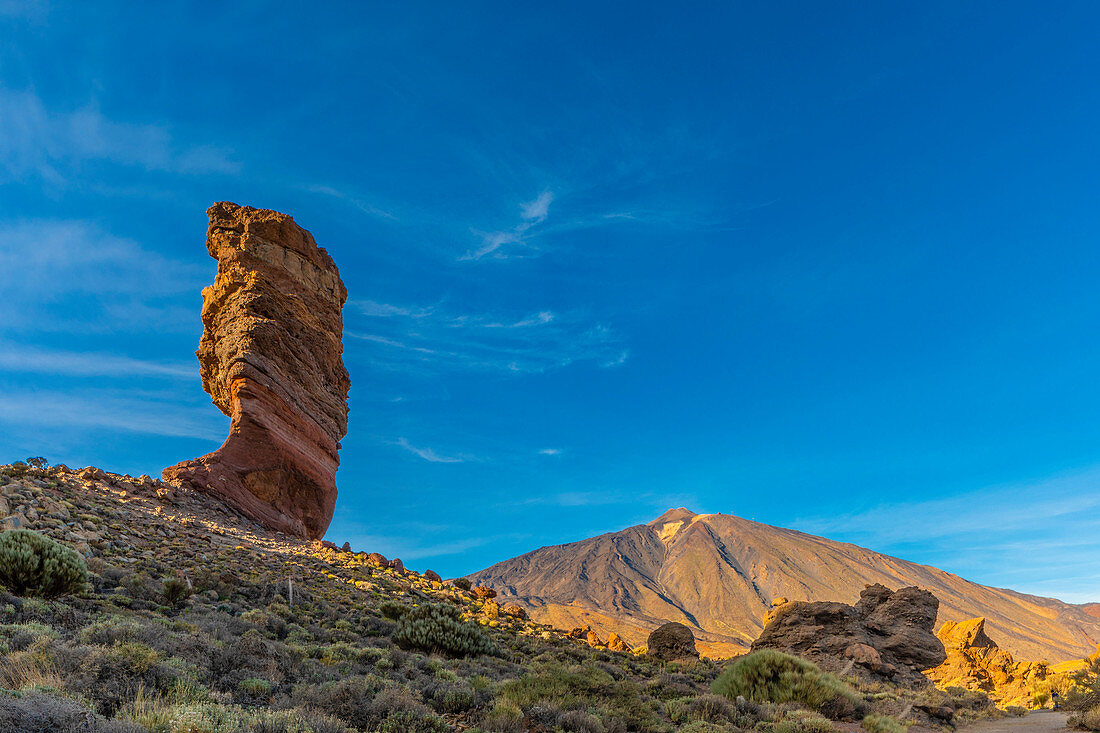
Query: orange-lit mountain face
[{"x": 719, "y": 574}]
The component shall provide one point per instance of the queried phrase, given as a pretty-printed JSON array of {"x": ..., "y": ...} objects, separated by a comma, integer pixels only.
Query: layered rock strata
[{"x": 270, "y": 357}]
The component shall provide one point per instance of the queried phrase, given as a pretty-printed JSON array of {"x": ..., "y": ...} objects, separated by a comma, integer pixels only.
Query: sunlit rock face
[
  {"x": 975, "y": 662},
  {"x": 271, "y": 358}
]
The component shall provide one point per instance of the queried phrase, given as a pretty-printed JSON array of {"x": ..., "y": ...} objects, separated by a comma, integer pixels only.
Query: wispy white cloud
[
  {"x": 523, "y": 343},
  {"x": 411, "y": 549},
  {"x": 532, "y": 213},
  {"x": 117, "y": 282},
  {"x": 47, "y": 144},
  {"x": 1039, "y": 537},
  {"x": 536, "y": 211},
  {"x": 387, "y": 310},
  {"x": 550, "y": 452},
  {"x": 427, "y": 453},
  {"x": 115, "y": 410},
  {"x": 30, "y": 359},
  {"x": 365, "y": 206}
]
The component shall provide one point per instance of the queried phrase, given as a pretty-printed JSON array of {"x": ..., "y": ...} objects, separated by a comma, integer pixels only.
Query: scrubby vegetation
[
  {"x": 1083, "y": 697},
  {"x": 34, "y": 565},
  {"x": 197, "y": 623},
  {"x": 772, "y": 676},
  {"x": 437, "y": 628}
]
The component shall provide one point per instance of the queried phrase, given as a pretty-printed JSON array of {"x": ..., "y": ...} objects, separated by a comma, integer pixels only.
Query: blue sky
[{"x": 826, "y": 266}]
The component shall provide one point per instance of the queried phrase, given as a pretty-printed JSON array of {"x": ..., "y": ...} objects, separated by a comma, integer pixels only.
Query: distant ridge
[{"x": 719, "y": 573}]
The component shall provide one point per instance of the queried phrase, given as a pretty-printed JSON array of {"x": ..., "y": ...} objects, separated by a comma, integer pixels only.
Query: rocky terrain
[
  {"x": 718, "y": 574},
  {"x": 198, "y": 619},
  {"x": 270, "y": 356},
  {"x": 887, "y": 634},
  {"x": 974, "y": 661}
]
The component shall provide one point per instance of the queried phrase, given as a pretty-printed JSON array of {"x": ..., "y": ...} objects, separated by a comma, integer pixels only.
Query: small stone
[{"x": 15, "y": 521}]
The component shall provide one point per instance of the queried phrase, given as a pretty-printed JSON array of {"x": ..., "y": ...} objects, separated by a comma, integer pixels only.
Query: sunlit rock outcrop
[{"x": 270, "y": 356}]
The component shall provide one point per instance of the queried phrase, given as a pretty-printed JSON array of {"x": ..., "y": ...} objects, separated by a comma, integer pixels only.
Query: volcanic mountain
[{"x": 719, "y": 574}]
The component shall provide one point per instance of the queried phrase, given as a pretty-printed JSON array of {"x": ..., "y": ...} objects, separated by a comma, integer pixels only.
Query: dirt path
[{"x": 1043, "y": 721}]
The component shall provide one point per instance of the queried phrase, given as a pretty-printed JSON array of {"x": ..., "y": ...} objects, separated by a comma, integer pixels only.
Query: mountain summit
[{"x": 719, "y": 574}]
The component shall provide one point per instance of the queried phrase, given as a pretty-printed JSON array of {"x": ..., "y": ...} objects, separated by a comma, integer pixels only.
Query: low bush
[
  {"x": 43, "y": 711},
  {"x": 772, "y": 676},
  {"x": 35, "y": 565},
  {"x": 874, "y": 723},
  {"x": 438, "y": 628}
]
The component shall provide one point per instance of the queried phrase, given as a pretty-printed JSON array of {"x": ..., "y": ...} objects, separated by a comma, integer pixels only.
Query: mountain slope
[{"x": 719, "y": 574}]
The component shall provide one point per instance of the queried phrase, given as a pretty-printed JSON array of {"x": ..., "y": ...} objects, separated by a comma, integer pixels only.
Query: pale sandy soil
[{"x": 1037, "y": 722}]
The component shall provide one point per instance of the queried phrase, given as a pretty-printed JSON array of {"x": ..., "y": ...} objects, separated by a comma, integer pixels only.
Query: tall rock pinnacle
[{"x": 270, "y": 356}]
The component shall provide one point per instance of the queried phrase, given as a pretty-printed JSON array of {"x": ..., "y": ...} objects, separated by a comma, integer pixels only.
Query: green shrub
[
  {"x": 413, "y": 722},
  {"x": 875, "y": 723},
  {"x": 1016, "y": 711},
  {"x": 392, "y": 609},
  {"x": 438, "y": 628},
  {"x": 257, "y": 687},
  {"x": 34, "y": 565},
  {"x": 772, "y": 676},
  {"x": 175, "y": 592}
]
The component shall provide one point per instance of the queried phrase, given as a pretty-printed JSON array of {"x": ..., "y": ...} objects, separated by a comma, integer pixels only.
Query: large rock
[
  {"x": 672, "y": 641},
  {"x": 270, "y": 356},
  {"x": 975, "y": 662},
  {"x": 887, "y": 633}
]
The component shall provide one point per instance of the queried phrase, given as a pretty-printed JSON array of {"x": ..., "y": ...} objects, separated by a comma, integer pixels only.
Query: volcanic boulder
[
  {"x": 270, "y": 356},
  {"x": 672, "y": 641},
  {"x": 975, "y": 662},
  {"x": 887, "y": 633}
]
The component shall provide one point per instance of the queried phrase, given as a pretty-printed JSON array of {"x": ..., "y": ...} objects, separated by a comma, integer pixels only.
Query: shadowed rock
[
  {"x": 270, "y": 357},
  {"x": 672, "y": 641},
  {"x": 887, "y": 633}
]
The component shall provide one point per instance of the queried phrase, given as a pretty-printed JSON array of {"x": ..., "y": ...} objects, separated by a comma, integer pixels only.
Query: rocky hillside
[
  {"x": 195, "y": 619},
  {"x": 719, "y": 574}
]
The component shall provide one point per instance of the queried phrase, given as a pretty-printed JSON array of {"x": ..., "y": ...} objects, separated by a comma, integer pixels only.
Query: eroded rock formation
[
  {"x": 887, "y": 633},
  {"x": 270, "y": 357},
  {"x": 975, "y": 662}
]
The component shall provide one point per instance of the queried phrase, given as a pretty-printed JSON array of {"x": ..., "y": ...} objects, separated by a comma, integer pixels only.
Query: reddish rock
[
  {"x": 270, "y": 356},
  {"x": 377, "y": 558},
  {"x": 616, "y": 644},
  {"x": 483, "y": 592},
  {"x": 397, "y": 565},
  {"x": 432, "y": 576}
]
